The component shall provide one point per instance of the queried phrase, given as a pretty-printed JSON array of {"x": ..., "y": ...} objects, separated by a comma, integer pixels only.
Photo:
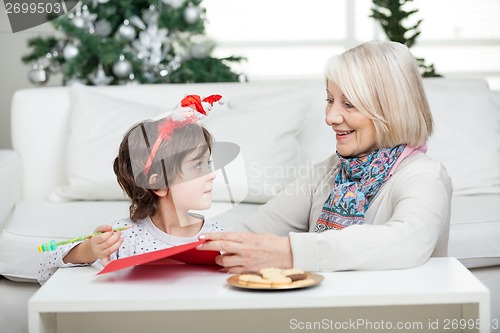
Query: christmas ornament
[
  {"x": 38, "y": 74},
  {"x": 137, "y": 22},
  {"x": 181, "y": 44},
  {"x": 122, "y": 68},
  {"x": 175, "y": 63},
  {"x": 82, "y": 18},
  {"x": 131, "y": 80},
  {"x": 51, "y": 65},
  {"x": 48, "y": 58},
  {"x": 95, "y": 2},
  {"x": 54, "y": 68},
  {"x": 191, "y": 14},
  {"x": 176, "y": 4},
  {"x": 102, "y": 28},
  {"x": 150, "y": 15},
  {"x": 70, "y": 51},
  {"x": 201, "y": 46},
  {"x": 78, "y": 22},
  {"x": 126, "y": 31},
  {"x": 163, "y": 72},
  {"x": 242, "y": 78},
  {"x": 99, "y": 78},
  {"x": 151, "y": 47}
]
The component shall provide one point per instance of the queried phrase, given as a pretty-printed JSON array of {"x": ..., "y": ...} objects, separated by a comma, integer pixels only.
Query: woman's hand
[
  {"x": 98, "y": 247},
  {"x": 249, "y": 251}
]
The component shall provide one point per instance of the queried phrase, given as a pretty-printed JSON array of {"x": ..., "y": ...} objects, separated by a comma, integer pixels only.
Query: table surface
[{"x": 183, "y": 287}]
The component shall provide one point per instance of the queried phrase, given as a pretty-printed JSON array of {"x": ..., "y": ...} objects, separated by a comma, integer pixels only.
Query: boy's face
[{"x": 192, "y": 190}]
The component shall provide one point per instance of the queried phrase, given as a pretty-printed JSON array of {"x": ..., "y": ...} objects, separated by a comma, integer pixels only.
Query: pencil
[{"x": 52, "y": 245}]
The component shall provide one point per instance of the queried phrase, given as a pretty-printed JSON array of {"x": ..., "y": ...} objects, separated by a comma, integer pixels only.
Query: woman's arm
[
  {"x": 268, "y": 245},
  {"x": 420, "y": 203},
  {"x": 290, "y": 210}
]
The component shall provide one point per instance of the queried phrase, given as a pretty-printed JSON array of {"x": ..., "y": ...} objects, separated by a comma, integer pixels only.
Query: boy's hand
[{"x": 103, "y": 245}]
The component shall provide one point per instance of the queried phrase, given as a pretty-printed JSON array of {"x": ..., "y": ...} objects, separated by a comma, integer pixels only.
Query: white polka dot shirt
[{"x": 143, "y": 237}]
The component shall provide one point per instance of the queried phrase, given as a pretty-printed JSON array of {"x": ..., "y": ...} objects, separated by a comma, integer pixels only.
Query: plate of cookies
[{"x": 275, "y": 279}]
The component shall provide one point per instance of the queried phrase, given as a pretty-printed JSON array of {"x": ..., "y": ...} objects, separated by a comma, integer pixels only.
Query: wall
[{"x": 13, "y": 72}]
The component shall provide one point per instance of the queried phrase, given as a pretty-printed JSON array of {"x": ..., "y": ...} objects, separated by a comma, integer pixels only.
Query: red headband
[{"x": 191, "y": 110}]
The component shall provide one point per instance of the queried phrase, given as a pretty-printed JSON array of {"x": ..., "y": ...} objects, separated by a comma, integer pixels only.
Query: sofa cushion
[
  {"x": 466, "y": 136},
  {"x": 263, "y": 120},
  {"x": 265, "y": 124},
  {"x": 10, "y": 181},
  {"x": 316, "y": 138},
  {"x": 475, "y": 230},
  {"x": 96, "y": 128}
]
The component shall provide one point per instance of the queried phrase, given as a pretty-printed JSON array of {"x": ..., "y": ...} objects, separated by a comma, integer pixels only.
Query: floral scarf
[{"x": 357, "y": 182}]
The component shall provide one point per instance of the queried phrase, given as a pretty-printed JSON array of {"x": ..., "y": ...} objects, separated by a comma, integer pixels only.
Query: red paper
[{"x": 185, "y": 253}]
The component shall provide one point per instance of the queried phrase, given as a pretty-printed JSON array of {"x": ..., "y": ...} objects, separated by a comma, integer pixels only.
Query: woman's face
[{"x": 355, "y": 133}]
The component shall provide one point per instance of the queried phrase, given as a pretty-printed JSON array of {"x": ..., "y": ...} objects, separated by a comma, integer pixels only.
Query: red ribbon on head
[
  {"x": 193, "y": 101},
  {"x": 212, "y": 99},
  {"x": 166, "y": 128}
]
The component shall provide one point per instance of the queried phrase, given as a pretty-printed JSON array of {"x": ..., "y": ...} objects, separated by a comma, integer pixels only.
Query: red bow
[{"x": 195, "y": 102}]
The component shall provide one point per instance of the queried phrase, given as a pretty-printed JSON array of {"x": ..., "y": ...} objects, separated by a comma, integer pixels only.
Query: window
[{"x": 285, "y": 39}]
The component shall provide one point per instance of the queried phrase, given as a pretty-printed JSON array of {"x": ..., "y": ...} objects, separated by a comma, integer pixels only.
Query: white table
[{"x": 435, "y": 297}]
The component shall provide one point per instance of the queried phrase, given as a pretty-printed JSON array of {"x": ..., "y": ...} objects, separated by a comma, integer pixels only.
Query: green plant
[
  {"x": 102, "y": 42},
  {"x": 392, "y": 18}
]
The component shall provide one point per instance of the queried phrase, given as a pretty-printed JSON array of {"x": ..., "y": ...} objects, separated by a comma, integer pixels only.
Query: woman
[{"x": 380, "y": 203}]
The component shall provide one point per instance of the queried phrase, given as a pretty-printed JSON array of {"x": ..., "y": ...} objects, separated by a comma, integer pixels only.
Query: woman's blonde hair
[{"x": 382, "y": 81}]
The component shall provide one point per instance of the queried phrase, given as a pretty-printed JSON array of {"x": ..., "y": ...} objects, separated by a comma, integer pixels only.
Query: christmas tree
[
  {"x": 391, "y": 15},
  {"x": 102, "y": 42}
]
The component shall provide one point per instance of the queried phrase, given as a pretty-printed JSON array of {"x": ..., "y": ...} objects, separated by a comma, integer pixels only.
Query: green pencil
[{"x": 52, "y": 245}]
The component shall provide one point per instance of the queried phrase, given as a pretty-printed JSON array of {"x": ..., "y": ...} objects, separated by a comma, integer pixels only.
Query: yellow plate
[{"x": 316, "y": 279}]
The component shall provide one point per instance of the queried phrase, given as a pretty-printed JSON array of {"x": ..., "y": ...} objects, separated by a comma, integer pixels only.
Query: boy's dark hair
[{"x": 134, "y": 151}]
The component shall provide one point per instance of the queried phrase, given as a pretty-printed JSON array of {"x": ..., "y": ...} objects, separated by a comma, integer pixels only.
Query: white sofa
[{"x": 57, "y": 182}]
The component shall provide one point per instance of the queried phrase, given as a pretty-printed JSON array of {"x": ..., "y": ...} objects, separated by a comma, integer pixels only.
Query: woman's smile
[
  {"x": 354, "y": 132},
  {"x": 342, "y": 134}
]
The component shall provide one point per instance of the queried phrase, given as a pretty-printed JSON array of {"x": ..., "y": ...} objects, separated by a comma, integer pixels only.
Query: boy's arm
[
  {"x": 51, "y": 261},
  {"x": 80, "y": 254},
  {"x": 97, "y": 247}
]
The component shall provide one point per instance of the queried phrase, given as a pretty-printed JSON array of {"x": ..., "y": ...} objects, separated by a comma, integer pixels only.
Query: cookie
[
  {"x": 251, "y": 273},
  {"x": 303, "y": 283},
  {"x": 278, "y": 280},
  {"x": 258, "y": 285},
  {"x": 271, "y": 271},
  {"x": 297, "y": 277},
  {"x": 251, "y": 279},
  {"x": 290, "y": 271},
  {"x": 275, "y": 278}
]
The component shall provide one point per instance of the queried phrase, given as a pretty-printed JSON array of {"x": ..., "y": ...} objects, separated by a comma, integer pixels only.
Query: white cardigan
[{"x": 406, "y": 223}]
